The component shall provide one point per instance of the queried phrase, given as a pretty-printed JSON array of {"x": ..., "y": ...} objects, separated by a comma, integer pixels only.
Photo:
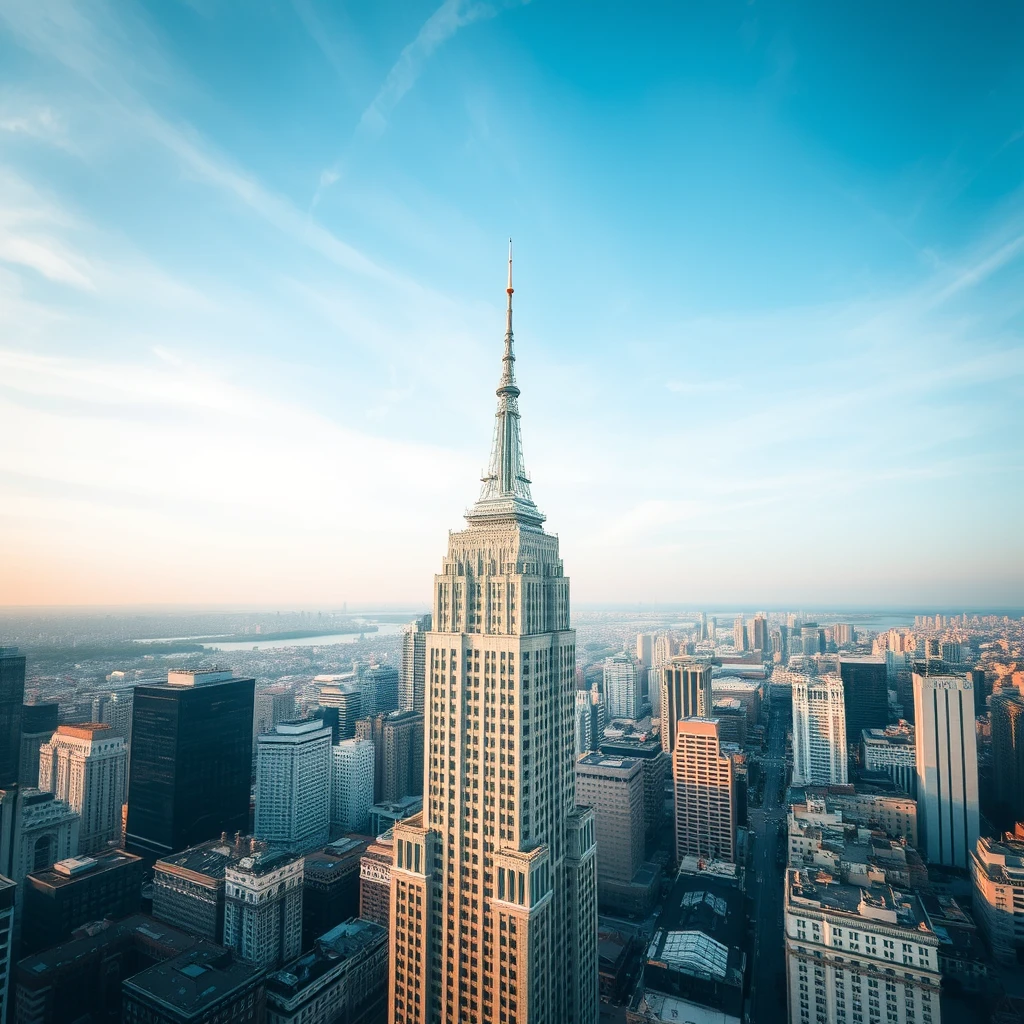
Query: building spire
[{"x": 506, "y": 487}]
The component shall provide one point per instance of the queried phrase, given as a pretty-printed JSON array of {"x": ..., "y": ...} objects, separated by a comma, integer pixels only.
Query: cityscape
[{"x": 275, "y": 748}]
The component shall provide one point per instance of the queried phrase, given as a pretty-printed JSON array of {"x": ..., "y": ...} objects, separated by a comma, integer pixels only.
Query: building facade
[
  {"x": 1007, "y": 711},
  {"x": 86, "y": 766},
  {"x": 191, "y": 761},
  {"x": 38, "y": 724},
  {"x": 865, "y": 693},
  {"x": 858, "y": 954},
  {"x": 493, "y": 911},
  {"x": 7, "y": 888},
  {"x": 375, "y": 881},
  {"x": 352, "y": 764},
  {"x": 412, "y": 680},
  {"x": 263, "y": 907},
  {"x": 892, "y": 750},
  {"x": 997, "y": 871},
  {"x": 685, "y": 693},
  {"x": 947, "y": 767},
  {"x": 12, "y": 696},
  {"x": 705, "y": 799},
  {"x": 819, "y": 731},
  {"x": 293, "y": 785},
  {"x": 621, "y": 687}
]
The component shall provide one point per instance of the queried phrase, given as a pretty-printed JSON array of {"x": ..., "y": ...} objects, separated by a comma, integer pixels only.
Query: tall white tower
[
  {"x": 947, "y": 767},
  {"x": 293, "y": 785},
  {"x": 86, "y": 766},
  {"x": 621, "y": 688},
  {"x": 493, "y": 913},
  {"x": 819, "y": 732}
]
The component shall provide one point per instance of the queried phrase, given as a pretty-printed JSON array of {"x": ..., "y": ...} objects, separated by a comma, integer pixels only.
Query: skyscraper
[
  {"x": 86, "y": 766},
  {"x": 351, "y": 784},
  {"x": 411, "y": 683},
  {"x": 947, "y": 766},
  {"x": 621, "y": 688},
  {"x": 705, "y": 800},
  {"x": 1008, "y": 754},
  {"x": 346, "y": 701},
  {"x": 293, "y": 785},
  {"x": 494, "y": 909},
  {"x": 759, "y": 633},
  {"x": 819, "y": 732},
  {"x": 379, "y": 685},
  {"x": 191, "y": 761},
  {"x": 12, "y": 696},
  {"x": 739, "y": 634},
  {"x": 397, "y": 738},
  {"x": 685, "y": 693},
  {"x": 865, "y": 694},
  {"x": 38, "y": 724}
]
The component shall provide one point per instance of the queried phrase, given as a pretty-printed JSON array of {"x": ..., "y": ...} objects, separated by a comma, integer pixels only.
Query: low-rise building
[
  {"x": 330, "y": 887},
  {"x": 343, "y": 978},
  {"x": 892, "y": 750},
  {"x": 384, "y": 816},
  {"x": 204, "y": 984},
  {"x": 858, "y": 953},
  {"x": 895, "y": 814},
  {"x": 997, "y": 870},
  {"x": 78, "y": 890}
]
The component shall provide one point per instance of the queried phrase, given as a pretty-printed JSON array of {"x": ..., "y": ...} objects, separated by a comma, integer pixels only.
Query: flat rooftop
[
  {"x": 71, "y": 870},
  {"x": 343, "y": 942},
  {"x": 211, "y": 858}
]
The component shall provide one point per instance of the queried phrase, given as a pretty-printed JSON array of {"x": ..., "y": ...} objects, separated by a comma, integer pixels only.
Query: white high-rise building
[
  {"x": 584, "y": 722},
  {"x": 86, "y": 766},
  {"x": 412, "y": 681},
  {"x": 621, "y": 689},
  {"x": 293, "y": 785},
  {"x": 819, "y": 732},
  {"x": 263, "y": 907},
  {"x": 947, "y": 768},
  {"x": 494, "y": 914},
  {"x": 352, "y": 768}
]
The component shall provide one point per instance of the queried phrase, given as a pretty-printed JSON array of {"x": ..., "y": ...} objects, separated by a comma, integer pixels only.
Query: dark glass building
[
  {"x": 865, "y": 693},
  {"x": 191, "y": 761},
  {"x": 12, "y": 696}
]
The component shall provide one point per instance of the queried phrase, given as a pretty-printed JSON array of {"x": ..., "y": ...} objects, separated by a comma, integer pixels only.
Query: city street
[{"x": 768, "y": 985}]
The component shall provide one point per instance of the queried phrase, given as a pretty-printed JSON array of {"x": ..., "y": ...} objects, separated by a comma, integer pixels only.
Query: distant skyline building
[
  {"x": 38, "y": 723},
  {"x": 191, "y": 761},
  {"x": 397, "y": 738},
  {"x": 12, "y": 698},
  {"x": 293, "y": 785},
  {"x": 705, "y": 799},
  {"x": 819, "y": 731},
  {"x": 352, "y": 767},
  {"x": 346, "y": 700},
  {"x": 86, "y": 766},
  {"x": 412, "y": 680},
  {"x": 263, "y": 907},
  {"x": 501, "y": 853},
  {"x": 685, "y": 693},
  {"x": 739, "y": 634},
  {"x": 759, "y": 633},
  {"x": 379, "y": 686},
  {"x": 273, "y": 704},
  {"x": 947, "y": 767},
  {"x": 621, "y": 687},
  {"x": 865, "y": 693}
]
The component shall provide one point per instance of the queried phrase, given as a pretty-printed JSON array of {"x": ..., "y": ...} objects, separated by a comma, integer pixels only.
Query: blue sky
[{"x": 769, "y": 296}]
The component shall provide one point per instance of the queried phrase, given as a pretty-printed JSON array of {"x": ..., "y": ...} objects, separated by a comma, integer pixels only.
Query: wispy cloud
[{"x": 702, "y": 387}]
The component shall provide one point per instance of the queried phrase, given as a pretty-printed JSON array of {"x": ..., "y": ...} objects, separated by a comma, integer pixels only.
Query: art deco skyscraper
[{"x": 493, "y": 885}]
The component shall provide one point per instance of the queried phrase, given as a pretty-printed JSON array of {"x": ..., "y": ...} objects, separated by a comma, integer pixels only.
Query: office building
[
  {"x": 191, "y": 761},
  {"x": 895, "y": 814},
  {"x": 379, "y": 686},
  {"x": 947, "y": 767},
  {"x": 747, "y": 691},
  {"x": 695, "y": 966},
  {"x": 759, "y": 633},
  {"x": 496, "y": 858},
  {"x": 343, "y": 978},
  {"x": 293, "y": 785},
  {"x": 76, "y": 891},
  {"x": 188, "y": 887},
  {"x": 345, "y": 699},
  {"x": 812, "y": 638},
  {"x": 351, "y": 785},
  {"x": 865, "y": 694},
  {"x": 1007, "y": 714},
  {"x": 115, "y": 709},
  {"x": 819, "y": 731},
  {"x": 685, "y": 693},
  {"x": 206, "y": 983},
  {"x": 375, "y": 881},
  {"x": 656, "y": 770},
  {"x": 614, "y": 788},
  {"x": 583, "y": 722},
  {"x": 330, "y": 886},
  {"x": 397, "y": 738},
  {"x": 621, "y": 688},
  {"x": 273, "y": 704},
  {"x": 892, "y": 750},
  {"x": 81, "y": 979},
  {"x": 731, "y": 716},
  {"x": 705, "y": 803},
  {"x": 12, "y": 697},
  {"x": 645, "y": 650},
  {"x": 38, "y": 724},
  {"x": 263, "y": 907},
  {"x": 46, "y": 831},
  {"x": 997, "y": 871},
  {"x": 85, "y": 766},
  {"x": 7, "y": 889},
  {"x": 412, "y": 679},
  {"x": 858, "y": 953}
]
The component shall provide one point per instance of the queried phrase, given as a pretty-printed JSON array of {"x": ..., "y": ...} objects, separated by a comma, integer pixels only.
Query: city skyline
[{"x": 249, "y": 304}]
